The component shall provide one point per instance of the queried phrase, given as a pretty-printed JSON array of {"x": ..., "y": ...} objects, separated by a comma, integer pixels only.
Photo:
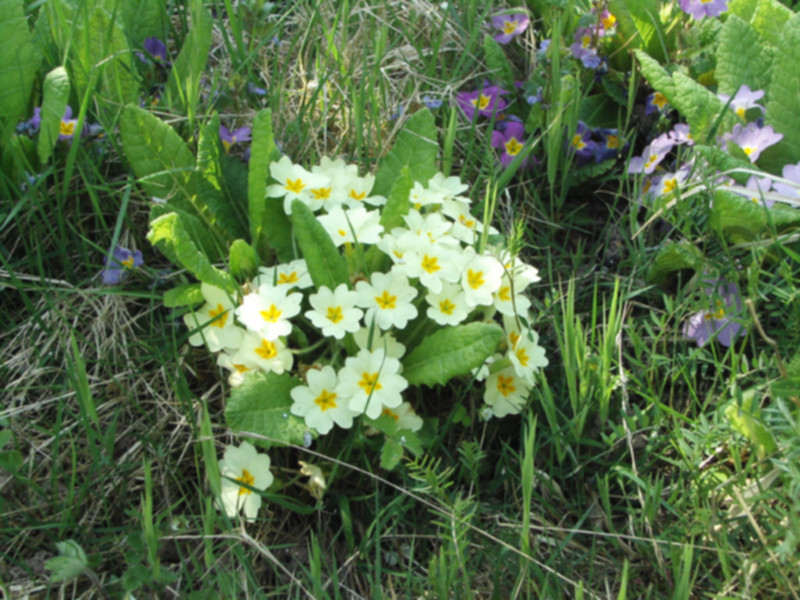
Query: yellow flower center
[
  {"x": 241, "y": 368},
  {"x": 609, "y": 21},
  {"x": 387, "y": 412},
  {"x": 325, "y": 400},
  {"x": 509, "y": 27},
  {"x": 522, "y": 356},
  {"x": 481, "y": 101},
  {"x": 740, "y": 111},
  {"x": 513, "y": 147},
  {"x": 475, "y": 279},
  {"x": 513, "y": 337},
  {"x": 295, "y": 186},
  {"x": 670, "y": 185},
  {"x": 357, "y": 195},
  {"x": 505, "y": 293},
  {"x": 67, "y": 128},
  {"x": 505, "y": 385},
  {"x": 577, "y": 142},
  {"x": 447, "y": 307},
  {"x": 218, "y": 312},
  {"x": 292, "y": 277},
  {"x": 267, "y": 350},
  {"x": 748, "y": 150},
  {"x": 369, "y": 383},
  {"x": 272, "y": 315},
  {"x": 430, "y": 264},
  {"x": 321, "y": 193},
  {"x": 128, "y": 262},
  {"x": 335, "y": 314},
  {"x": 653, "y": 158},
  {"x": 612, "y": 142},
  {"x": 246, "y": 479},
  {"x": 660, "y": 100},
  {"x": 466, "y": 222},
  {"x": 226, "y": 145},
  {"x": 718, "y": 314},
  {"x": 386, "y": 300}
]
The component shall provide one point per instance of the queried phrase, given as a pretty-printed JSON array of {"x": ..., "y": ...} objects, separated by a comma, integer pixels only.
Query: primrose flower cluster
[{"x": 435, "y": 278}]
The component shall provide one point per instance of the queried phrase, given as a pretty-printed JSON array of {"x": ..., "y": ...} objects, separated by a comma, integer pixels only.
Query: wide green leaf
[
  {"x": 243, "y": 260},
  {"x": 451, "y": 352},
  {"x": 186, "y": 294},
  {"x": 143, "y": 19},
  {"x": 743, "y": 57},
  {"x": 742, "y": 220},
  {"x": 326, "y": 265},
  {"x": 770, "y": 18},
  {"x": 416, "y": 147},
  {"x": 169, "y": 234},
  {"x": 397, "y": 202},
  {"x": 672, "y": 257},
  {"x": 19, "y": 61},
  {"x": 784, "y": 99},
  {"x": 262, "y": 405},
  {"x": 496, "y": 60},
  {"x": 54, "y": 103}
]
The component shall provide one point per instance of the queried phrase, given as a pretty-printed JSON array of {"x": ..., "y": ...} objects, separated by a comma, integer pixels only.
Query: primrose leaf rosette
[{"x": 369, "y": 308}]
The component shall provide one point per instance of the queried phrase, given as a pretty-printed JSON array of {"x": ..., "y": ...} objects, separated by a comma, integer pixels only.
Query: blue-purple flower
[
  {"x": 655, "y": 103},
  {"x": 721, "y": 321},
  {"x": 791, "y": 188},
  {"x": 31, "y": 126},
  {"x": 485, "y": 102},
  {"x": 229, "y": 138},
  {"x": 584, "y": 46},
  {"x": 653, "y": 154},
  {"x": 119, "y": 264},
  {"x": 744, "y": 100},
  {"x": 752, "y": 139},
  {"x": 510, "y": 140},
  {"x": 510, "y": 26},
  {"x": 582, "y": 144},
  {"x": 699, "y": 9},
  {"x": 155, "y": 48},
  {"x": 66, "y": 129}
]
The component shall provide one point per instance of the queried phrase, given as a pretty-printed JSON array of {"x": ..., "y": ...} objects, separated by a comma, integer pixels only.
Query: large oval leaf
[
  {"x": 262, "y": 405},
  {"x": 325, "y": 265},
  {"x": 451, "y": 352}
]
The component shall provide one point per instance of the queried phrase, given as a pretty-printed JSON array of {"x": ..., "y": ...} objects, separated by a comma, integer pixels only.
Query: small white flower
[
  {"x": 319, "y": 402},
  {"x": 449, "y": 306},
  {"x": 257, "y": 352},
  {"x": 268, "y": 311},
  {"x": 526, "y": 355},
  {"x": 293, "y": 274},
  {"x": 448, "y": 187},
  {"x": 334, "y": 312},
  {"x": 506, "y": 392},
  {"x": 214, "y": 320},
  {"x": 508, "y": 299},
  {"x": 404, "y": 416},
  {"x": 243, "y": 465},
  {"x": 238, "y": 371},
  {"x": 419, "y": 196},
  {"x": 295, "y": 183},
  {"x": 342, "y": 224},
  {"x": 371, "y": 381},
  {"x": 387, "y": 299},
  {"x": 480, "y": 279},
  {"x": 386, "y": 341}
]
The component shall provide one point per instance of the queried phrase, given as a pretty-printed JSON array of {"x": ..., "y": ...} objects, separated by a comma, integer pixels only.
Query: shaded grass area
[{"x": 625, "y": 478}]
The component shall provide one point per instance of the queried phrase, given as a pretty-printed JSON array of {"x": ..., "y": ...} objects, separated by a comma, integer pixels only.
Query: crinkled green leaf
[
  {"x": 269, "y": 225},
  {"x": 746, "y": 419},
  {"x": 397, "y": 202},
  {"x": 784, "y": 99},
  {"x": 742, "y": 220},
  {"x": 656, "y": 75},
  {"x": 744, "y": 9},
  {"x": 143, "y": 19},
  {"x": 54, "y": 103},
  {"x": 416, "y": 147},
  {"x": 743, "y": 58},
  {"x": 71, "y": 563},
  {"x": 198, "y": 231},
  {"x": 100, "y": 43},
  {"x": 186, "y": 294},
  {"x": 262, "y": 405},
  {"x": 451, "y": 352},
  {"x": 696, "y": 103},
  {"x": 722, "y": 161},
  {"x": 326, "y": 265},
  {"x": 158, "y": 155},
  {"x": 495, "y": 57},
  {"x": 639, "y": 22},
  {"x": 673, "y": 257},
  {"x": 183, "y": 84},
  {"x": 243, "y": 260},
  {"x": 391, "y": 453},
  {"x": 169, "y": 234},
  {"x": 770, "y": 18},
  {"x": 19, "y": 61}
]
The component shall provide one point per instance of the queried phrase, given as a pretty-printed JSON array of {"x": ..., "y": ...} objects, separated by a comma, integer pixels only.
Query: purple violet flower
[
  {"x": 431, "y": 103},
  {"x": 653, "y": 154},
  {"x": 744, "y": 99},
  {"x": 583, "y": 48},
  {"x": 582, "y": 144},
  {"x": 119, "y": 263},
  {"x": 721, "y": 321},
  {"x": 66, "y": 129},
  {"x": 255, "y": 90},
  {"x": 792, "y": 173},
  {"x": 155, "y": 48},
  {"x": 485, "y": 102},
  {"x": 510, "y": 26},
  {"x": 229, "y": 138},
  {"x": 510, "y": 140},
  {"x": 31, "y": 126},
  {"x": 655, "y": 103},
  {"x": 680, "y": 134},
  {"x": 752, "y": 139},
  {"x": 699, "y": 9},
  {"x": 608, "y": 144}
]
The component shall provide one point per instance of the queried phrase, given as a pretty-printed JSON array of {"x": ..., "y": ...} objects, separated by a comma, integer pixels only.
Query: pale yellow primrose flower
[
  {"x": 214, "y": 320},
  {"x": 386, "y": 341},
  {"x": 506, "y": 392},
  {"x": 509, "y": 299},
  {"x": 334, "y": 312},
  {"x": 404, "y": 416},
  {"x": 419, "y": 196},
  {"x": 448, "y": 187},
  {"x": 257, "y": 352},
  {"x": 371, "y": 381},
  {"x": 481, "y": 278},
  {"x": 243, "y": 465},
  {"x": 293, "y": 274},
  {"x": 387, "y": 298},
  {"x": 319, "y": 403},
  {"x": 295, "y": 183},
  {"x": 268, "y": 311},
  {"x": 341, "y": 224},
  {"x": 449, "y": 306},
  {"x": 430, "y": 262},
  {"x": 526, "y": 355},
  {"x": 238, "y": 372}
]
